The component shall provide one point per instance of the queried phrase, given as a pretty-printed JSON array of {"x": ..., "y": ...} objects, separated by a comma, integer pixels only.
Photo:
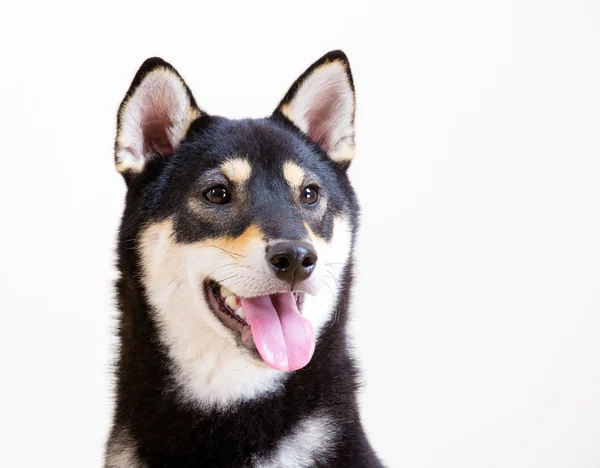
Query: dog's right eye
[{"x": 218, "y": 195}]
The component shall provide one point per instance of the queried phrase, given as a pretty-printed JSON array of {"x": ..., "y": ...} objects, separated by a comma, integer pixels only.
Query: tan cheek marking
[
  {"x": 237, "y": 170},
  {"x": 316, "y": 240},
  {"x": 294, "y": 174},
  {"x": 157, "y": 241},
  {"x": 241, "y": 244},
  {"x": 311, "y": 234}
]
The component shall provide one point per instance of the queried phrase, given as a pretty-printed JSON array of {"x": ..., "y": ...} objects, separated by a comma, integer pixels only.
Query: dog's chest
[{"x": 312, "y": 439}]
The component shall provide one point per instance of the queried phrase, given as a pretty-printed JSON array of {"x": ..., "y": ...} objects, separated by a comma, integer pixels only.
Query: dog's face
[{"x": 242, "y": 228}]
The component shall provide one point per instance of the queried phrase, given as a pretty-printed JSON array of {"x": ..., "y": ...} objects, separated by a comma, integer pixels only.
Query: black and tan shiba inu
[{"x": 235, "y": 259}]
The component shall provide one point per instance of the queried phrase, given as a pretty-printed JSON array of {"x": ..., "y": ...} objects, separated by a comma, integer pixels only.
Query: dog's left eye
[
  {"x": 309, "y": 195},
  {"x": 218, "y": 195}
]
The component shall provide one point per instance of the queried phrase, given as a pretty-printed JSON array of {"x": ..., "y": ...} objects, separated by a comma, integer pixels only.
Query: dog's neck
[
  {"x": 204, "y": 368},
  {"x": 210, "y": 369},
  {"x": 216, "y": 394}
]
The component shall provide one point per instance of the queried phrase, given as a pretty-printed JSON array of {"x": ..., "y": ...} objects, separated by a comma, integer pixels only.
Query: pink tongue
[{"x": 284, "y": 338}]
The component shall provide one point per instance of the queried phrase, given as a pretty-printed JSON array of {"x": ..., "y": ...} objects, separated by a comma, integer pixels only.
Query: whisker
[
  {"x": 222, "y": 266},
  {"x": 227, "y": 278},
  {"x": 354, "y": 268},
  {"x": 237, "y": 281},
  {"x": 337, "y": 282},
  {"x": 129, "y": 244},
  {"x": 229, "y": 252},
  {"x": 336, "y": 310},
  {"x": 172, "y": 295}
]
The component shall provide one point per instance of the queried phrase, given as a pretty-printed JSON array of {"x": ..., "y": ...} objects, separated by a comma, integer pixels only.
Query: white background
[{"x": 477, "y": 312}]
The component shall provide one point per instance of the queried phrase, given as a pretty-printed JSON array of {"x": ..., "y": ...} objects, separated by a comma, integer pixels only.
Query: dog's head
[{"x": 242, "y": 228}]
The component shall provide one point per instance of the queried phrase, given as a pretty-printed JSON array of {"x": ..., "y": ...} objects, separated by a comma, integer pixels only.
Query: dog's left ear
[{"x": 321, "y": 104}]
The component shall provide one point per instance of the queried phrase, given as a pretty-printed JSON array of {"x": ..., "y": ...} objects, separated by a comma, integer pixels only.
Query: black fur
[{"x": 166, "y": 432}]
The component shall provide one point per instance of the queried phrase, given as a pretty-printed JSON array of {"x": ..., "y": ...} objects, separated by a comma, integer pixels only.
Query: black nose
[{"x": 292, "y": 261}]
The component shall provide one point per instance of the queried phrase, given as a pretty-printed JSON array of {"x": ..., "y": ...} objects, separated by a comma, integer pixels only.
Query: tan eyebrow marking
[
  {"x": 294, "y": 174},
  {"x": 237, "y": 170}
]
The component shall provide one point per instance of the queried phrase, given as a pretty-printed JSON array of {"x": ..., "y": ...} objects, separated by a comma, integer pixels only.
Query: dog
[{"x": 235, "y": 254}]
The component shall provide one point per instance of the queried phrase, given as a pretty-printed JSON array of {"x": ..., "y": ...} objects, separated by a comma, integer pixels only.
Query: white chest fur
[{"x": 311, "y": 440}]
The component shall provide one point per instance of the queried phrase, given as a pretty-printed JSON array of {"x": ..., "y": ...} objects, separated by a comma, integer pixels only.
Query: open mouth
[{"x": 270, "y": 324}]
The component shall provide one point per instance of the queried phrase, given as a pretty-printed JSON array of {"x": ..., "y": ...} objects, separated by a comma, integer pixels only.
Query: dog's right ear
[{"x": 154, "y": 116}]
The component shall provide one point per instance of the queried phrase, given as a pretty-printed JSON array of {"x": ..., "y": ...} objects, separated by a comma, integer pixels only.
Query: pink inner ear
[
  {"x": 153, "y": 120},
  {"x": 155, "y": 137},
  {"x": 323, "y": 107},
  {"x": 323, "y": 116}
]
